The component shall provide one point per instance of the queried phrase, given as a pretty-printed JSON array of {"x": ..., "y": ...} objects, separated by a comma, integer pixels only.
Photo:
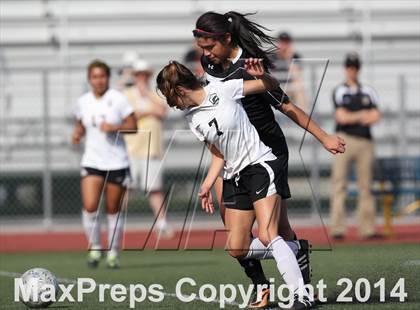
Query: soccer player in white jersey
[
  {"x": 102, "y": 116},
  {"x": 216, "y": 117}
]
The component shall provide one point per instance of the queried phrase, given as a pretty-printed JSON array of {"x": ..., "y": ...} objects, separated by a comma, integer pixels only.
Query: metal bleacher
[{"x": 45, "y": 46}]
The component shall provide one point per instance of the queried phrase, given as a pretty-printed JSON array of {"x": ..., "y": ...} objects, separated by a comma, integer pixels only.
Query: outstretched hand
[
  {"x": 254, "y": 66},
  {"x": 334, "y": 144},
  {"x": 206, "y": 200}
]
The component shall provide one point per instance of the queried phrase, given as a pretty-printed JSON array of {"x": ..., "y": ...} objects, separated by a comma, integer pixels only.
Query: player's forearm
[
  {"x": 270, "y": 83},
  {"x": 303, "y": 120},
  {"x": 215, "y": 168},
  {"x": 128, "y": 126},
  {"x": 79, "y": 129}
]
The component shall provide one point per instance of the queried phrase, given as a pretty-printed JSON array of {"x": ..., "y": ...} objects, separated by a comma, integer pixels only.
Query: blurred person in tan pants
[
  {"x": 145, "y": 147},
  {"x": 355, "y": 112}
]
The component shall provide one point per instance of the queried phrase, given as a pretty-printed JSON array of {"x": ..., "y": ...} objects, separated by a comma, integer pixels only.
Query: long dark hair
[
  {"x": 245, "y": 33},
  {"x": 173, "y": 75}
]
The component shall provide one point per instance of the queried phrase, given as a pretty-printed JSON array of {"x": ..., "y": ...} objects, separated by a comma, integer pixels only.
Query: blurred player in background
[
  {"x": 253, "y": 177},
  {"x": 226, "y": 39},
  {"x": 355, "y": 111},
  {"x": 145, "y": 147},
  {"x": 101, "y": 115},
  {"x": 288, "y": 70}
]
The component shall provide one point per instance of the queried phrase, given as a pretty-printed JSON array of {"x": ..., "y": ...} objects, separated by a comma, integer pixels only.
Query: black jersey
[
  {"x": 361, "y": 98},
  {"x": 257, "y": 106}
]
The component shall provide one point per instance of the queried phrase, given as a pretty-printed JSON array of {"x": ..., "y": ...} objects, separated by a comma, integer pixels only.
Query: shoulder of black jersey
[
  {"x": 208, "y": 66},
  {"x": 341, "y": 85},
  {"x": 203, "y": 60}
]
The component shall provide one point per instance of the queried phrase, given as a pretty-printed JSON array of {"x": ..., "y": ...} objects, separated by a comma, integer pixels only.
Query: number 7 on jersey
[{"x": 214, "y": 121}]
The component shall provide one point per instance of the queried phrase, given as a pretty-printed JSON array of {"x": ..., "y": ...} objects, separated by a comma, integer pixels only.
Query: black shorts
[
  {"x": 255, "y": 182},
  {"x": 121, "y": 176}
]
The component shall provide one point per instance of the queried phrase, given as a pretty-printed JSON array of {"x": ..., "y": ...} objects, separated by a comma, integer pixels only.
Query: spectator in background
[
  {"x": 288, "y": 70},
  {"x": 193, "y": 62},
  {"x": 355, "y": 111},
  {"x": 125, "y": 73},
  {"x": 145, "y": 147}
]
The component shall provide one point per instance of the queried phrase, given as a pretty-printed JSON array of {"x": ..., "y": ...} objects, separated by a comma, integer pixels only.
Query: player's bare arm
[
  {"x": 264, "y": 81},
  {"x": 332, "y": 143},
  {"x": 128, "y": 125},
  {"x": 78, "y": 132},
  {"x": 215, "y": 168}
]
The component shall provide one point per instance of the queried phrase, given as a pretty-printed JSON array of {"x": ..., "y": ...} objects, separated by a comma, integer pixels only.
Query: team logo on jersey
[
  {"x": 210, "y": 66},
  {"x": 214, "y": 99},
  {"x": 365, "y": 100}
]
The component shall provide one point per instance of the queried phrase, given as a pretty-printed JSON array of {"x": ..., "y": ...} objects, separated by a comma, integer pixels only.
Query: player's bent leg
[
  {"x": 301, "y": 248},
  {"x": 91, "y": 188},
  {"x": 252, "y": 267},
  {"x": 267, "y": 212},
  {"x": 238, "y": 225},
  {"x": 116, "y": 200}
]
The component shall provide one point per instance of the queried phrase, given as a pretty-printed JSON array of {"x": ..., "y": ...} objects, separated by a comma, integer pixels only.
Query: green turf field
[{"x": 167, "y": 267}]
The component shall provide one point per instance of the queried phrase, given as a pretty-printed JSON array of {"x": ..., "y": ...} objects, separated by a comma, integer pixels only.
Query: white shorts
[{"x": 146, "y": 174}]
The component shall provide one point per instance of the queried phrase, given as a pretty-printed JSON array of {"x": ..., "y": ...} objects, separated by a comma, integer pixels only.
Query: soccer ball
[{"x": 38, "y": 288}]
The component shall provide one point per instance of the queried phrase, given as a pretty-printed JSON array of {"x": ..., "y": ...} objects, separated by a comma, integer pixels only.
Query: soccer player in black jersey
[{"x": 226, "y": 40}]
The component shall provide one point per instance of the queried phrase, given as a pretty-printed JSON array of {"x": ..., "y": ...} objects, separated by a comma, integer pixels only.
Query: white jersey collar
[{"x": 238, "y": 55}]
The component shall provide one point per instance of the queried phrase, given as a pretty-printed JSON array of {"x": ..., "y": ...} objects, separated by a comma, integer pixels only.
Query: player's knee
[
  {"x": 238, "y": 253},
  {"x": 264, "y": 238},
  {"x": 90, "y": 207}
]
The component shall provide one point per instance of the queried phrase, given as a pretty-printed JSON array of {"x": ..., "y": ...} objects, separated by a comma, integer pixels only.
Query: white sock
[
  {"x": 287, "y": 264},
  {"x": 258, "y": 250},
  {"x": 161, "y": 224},
  {"x": 92, "y": 226},
  {"x": 294, "y": 246},
  {"x": 115, "y": 230}
]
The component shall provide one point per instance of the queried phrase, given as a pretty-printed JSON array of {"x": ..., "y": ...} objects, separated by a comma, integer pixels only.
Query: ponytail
[
  {"x": 171, "y": 77},
  {"x": 244, "y": 33}
]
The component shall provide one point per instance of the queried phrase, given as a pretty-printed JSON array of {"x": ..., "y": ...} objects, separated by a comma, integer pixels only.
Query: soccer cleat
[
  {"x": 302, "y": 258},
  {"x": 259, "y": 298},
  {"x": 94, "y": 257},
  {"x": 303, "y": 303},
  {"x": 112, "y": 260}
]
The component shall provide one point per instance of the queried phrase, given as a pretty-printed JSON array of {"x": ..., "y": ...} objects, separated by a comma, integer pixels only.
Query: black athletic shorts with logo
[
  {"x": 255, "y": 182},
  {"x": 121, "y": 176}
]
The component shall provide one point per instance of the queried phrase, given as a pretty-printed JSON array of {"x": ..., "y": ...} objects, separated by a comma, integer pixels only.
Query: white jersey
[
  {"x": 222, "y": 121},
  {"x": 103, "y": 151}
]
